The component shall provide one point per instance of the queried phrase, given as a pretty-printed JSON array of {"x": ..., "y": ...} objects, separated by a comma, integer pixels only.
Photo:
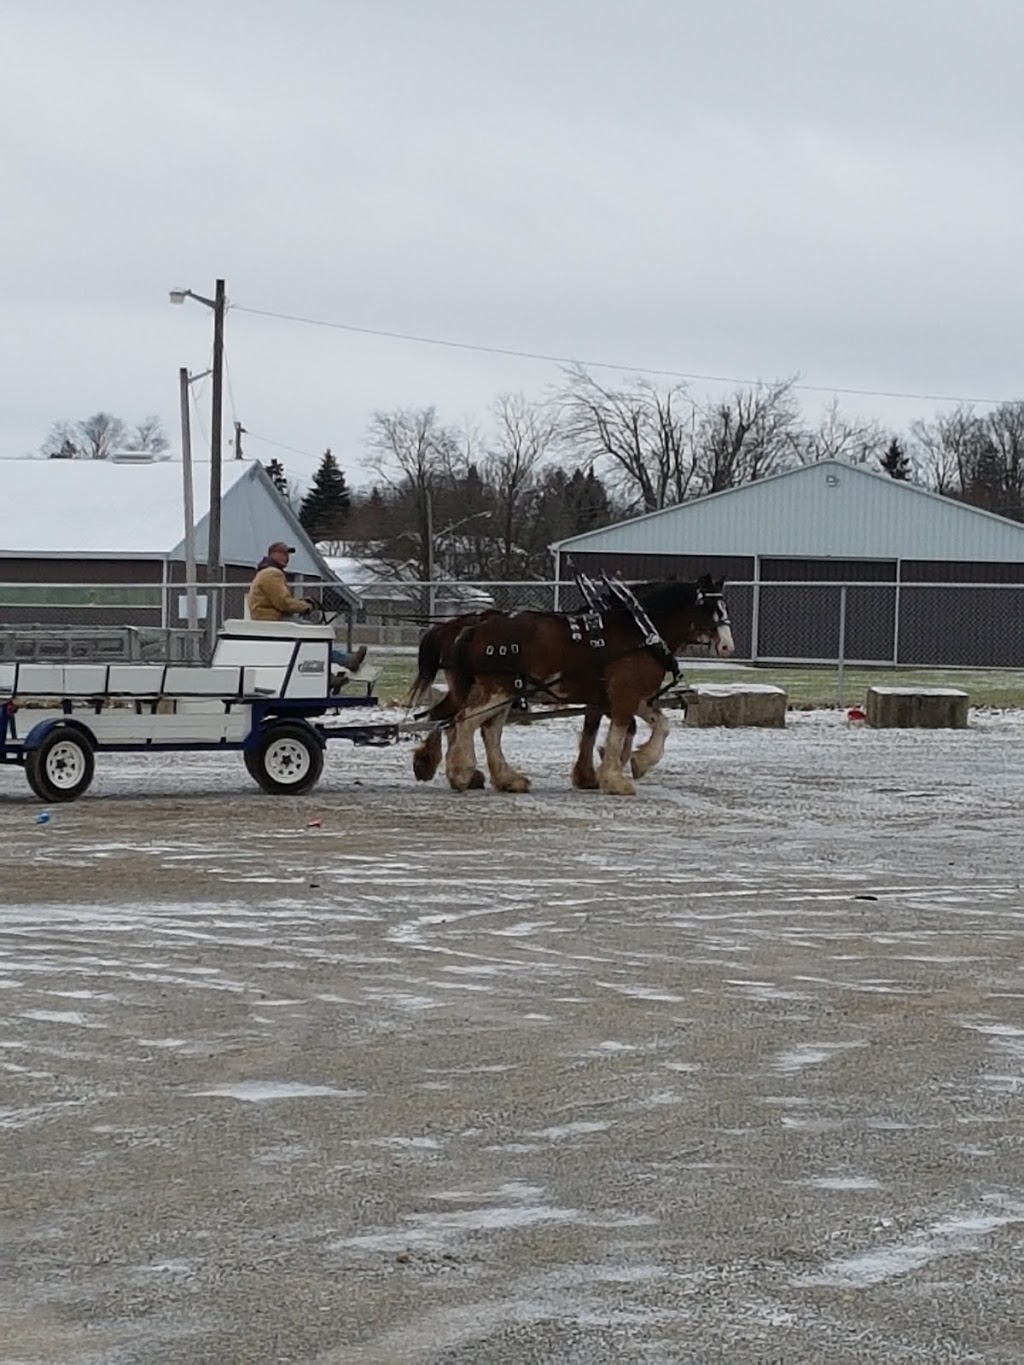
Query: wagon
[{"x": 267, "y": 694}]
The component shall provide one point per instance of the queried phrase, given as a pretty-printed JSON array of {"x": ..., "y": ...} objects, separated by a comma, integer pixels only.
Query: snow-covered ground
[{"x": 728, "y": 1071}]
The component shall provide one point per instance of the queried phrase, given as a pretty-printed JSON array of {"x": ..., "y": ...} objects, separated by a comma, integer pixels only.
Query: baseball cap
[{"x": 280, "y": 545}]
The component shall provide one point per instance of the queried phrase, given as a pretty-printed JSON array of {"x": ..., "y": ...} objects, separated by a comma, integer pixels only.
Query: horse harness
[
  {"x": 614, "y": 593},
  {"x": 590, "y": 626}
]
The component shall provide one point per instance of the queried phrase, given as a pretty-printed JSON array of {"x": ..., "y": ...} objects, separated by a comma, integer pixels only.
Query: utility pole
[
  {"x": 431, "y": 590},
  {"x": 192, "y": 608},
  {"x": 213, "y": 544},
  {"x": 213, "y": 552},
  {"x": 239, "y": 433}
]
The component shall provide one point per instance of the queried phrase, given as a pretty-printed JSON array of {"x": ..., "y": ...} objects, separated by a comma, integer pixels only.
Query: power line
[
  {"x": 231, "y": 392},
  {"x": 198, "y": 416},
  {"x": 604, "y": 364},
  {"x": 253, "y": 436}
]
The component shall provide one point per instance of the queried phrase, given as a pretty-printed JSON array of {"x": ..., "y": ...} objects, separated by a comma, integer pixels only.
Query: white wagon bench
[{"x": 267, "y": 695}]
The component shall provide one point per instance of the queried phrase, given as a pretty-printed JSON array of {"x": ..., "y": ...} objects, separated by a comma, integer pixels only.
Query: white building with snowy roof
[{"x": 81, "y": 538}]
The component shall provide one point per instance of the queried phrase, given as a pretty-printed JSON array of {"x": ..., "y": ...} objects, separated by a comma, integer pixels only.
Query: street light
[
  {"x": 213, "y": 565},
  {"x": 192, "y": 604}
]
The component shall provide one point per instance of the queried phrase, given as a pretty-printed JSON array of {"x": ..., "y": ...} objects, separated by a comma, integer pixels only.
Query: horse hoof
[
  {"x": 460, "y": 782},
  {"x": 584, "y": 782},
  {"x": 423, "y": 767},
  {"x": 515, "y": 782},
  {"x": 476, "y": 782},
  {"x": 618, "y": 786}
]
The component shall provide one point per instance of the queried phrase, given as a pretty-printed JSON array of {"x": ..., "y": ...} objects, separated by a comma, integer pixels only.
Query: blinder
[{"x": 718, "y": 611}]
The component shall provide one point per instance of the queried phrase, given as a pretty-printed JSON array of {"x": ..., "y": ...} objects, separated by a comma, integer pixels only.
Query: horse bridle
[{"x": 718, "y": 613}]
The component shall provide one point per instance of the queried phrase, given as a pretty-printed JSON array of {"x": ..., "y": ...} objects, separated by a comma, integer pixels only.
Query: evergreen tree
[
  {"x": 895, "y": 462},
  {"x": 325, "y": 507},
  {"x": 587, "y": 502},
  {"x": 278, "y": 477}
]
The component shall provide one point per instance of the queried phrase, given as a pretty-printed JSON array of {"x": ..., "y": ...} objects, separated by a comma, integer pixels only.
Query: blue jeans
[{"x": 344, "y": 659}]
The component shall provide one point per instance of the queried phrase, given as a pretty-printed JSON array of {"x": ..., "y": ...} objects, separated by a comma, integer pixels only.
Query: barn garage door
[{"x": 800, "y": 608}]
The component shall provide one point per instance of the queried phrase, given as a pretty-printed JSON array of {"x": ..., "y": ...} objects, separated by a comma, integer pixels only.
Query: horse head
[
  {"x": 711, "y": 605},
  {"x": 692, "y": 613}
]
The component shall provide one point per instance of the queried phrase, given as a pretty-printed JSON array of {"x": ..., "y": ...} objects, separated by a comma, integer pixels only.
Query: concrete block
[
  {"x": 921, "y": 708},
  {"x": 736, "y": 704}
]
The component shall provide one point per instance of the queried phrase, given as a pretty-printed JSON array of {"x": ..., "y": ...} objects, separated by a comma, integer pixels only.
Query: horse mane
[{"x": 665, "y": 595}]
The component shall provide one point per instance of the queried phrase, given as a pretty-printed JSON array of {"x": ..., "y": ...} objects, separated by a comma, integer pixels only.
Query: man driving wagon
[{"x": 270, "y": 599}]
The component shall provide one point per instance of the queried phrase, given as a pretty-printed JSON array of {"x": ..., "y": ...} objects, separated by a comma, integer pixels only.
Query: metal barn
[
  {"x": 928, "y": 580},
  {"x": 93, "y": 544}
]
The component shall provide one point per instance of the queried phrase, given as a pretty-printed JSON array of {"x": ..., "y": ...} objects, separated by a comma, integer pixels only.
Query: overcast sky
[{"x": 745, "y": 188}]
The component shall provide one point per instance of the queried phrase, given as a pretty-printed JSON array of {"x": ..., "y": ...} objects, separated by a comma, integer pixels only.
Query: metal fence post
[
  {"x": 841, "y": 670},
  {"x": 755, "y": 615}
]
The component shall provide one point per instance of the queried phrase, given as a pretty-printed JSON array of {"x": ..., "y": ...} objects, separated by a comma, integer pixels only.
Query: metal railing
[{"x": 806, "y": 622}]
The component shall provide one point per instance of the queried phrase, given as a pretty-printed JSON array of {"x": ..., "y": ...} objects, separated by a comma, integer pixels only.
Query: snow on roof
[
  {"x": 99, "y": 507},
  {"x": 377, "y": 579},
  {"x": 359, "y": 572}
]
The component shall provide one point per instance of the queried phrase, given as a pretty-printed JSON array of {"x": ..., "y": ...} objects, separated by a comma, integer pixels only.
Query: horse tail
[{"x": 428, "y": 659}]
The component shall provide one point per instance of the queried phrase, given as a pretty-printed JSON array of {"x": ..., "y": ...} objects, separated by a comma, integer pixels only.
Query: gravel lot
[{"x": 728, "y": 1072}]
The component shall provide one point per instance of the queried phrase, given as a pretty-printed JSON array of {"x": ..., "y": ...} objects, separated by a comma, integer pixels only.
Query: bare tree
[
  {"x": 524, "y": 437},
  {"x": 952, "y": 449},
  {"x": 414, "y": 454},
  {"x": 838, "y": 437},
  {"x": 976, "y": 457},
  {"x": 61, "y": 442},
  {"x": 1004, "y": 490},
  {"x": 644, "y": 434},
  {"x": 100, "y": 436},
  {"x": 940, "y": 449},
  {"x": 752, "y": 434},
  {"x": 148, "y": 435},
  {"x": 66, "y": 450}
]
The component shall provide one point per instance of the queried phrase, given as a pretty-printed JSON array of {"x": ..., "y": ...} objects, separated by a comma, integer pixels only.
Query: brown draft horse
[
  {"x": 500, "y": 657},
  {"x": 435, "y": 653}
]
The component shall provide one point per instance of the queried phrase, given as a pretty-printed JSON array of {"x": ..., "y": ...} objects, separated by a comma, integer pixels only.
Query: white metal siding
[{"x": 252, "y": 519}]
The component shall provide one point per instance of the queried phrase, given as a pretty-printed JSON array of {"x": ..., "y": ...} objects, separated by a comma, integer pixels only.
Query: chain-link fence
[{"x": 902, "y": 625}]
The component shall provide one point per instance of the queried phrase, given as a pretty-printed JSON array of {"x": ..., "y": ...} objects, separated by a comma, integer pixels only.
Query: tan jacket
[{"x": 269, "y": 598}]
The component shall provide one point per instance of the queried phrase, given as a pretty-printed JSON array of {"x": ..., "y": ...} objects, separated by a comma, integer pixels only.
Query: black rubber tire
[
  {"x": 288, "y": 759},
  {"x": 62, "y": 768}
]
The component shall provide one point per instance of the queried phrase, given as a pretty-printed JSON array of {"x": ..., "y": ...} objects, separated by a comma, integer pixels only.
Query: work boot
[{"x": 358, "y": 656}]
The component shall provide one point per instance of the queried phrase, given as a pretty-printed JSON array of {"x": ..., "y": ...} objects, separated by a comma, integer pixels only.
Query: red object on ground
[
  {"x": 315, "y": 824},
  {"x": 855, "y": 713}
]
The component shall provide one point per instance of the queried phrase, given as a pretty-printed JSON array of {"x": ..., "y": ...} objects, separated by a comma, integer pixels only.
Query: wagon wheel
[
  {"x": 62, "y": 767},
  {"x": 288, "y": 759}
]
